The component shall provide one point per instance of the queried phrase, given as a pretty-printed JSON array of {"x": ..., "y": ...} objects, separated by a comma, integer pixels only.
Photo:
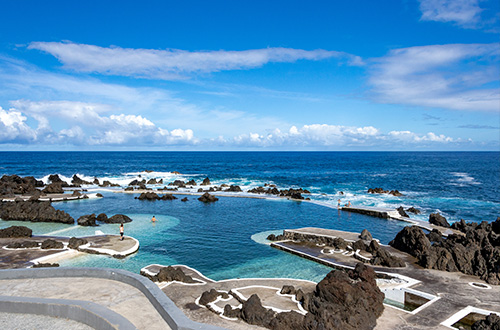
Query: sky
[{"x": 408, "y": 75}]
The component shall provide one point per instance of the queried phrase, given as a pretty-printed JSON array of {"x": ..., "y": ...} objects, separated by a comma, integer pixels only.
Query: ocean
[{"x": 226, "y": 239}]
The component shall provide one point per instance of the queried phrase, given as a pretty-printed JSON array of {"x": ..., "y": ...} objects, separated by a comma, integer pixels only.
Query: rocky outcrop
[
  {"x": 191, "y": 183},
  {"x": 23, "y": 245},
  {"x": 402, "y": 212},
  {"x": 54, "y": 188},
  {"x": 45, "y": 265},
  {"x": 206, "y": 182},
  {"x": 411, "y": 240},
  {"x": 382, "y": 191},
  {"x": 106, "y": 183},
  {"x": 383, "y": 258},
  {"x": 234, "y": 189},
  {"x": 209, "y": 296},
  {"x": 413, "y": 210},
  {"x": 491, "y": 322},
  {"x": 346, "y": 300},
  {"x": 178, "y": 183},
  {"x": 15, "y": 231},
  {"x": 75, "y": 242},
  {"x": 77, "y": 181},
  {"x": 169, "y": 274},
  {"x": 185, "y": 199},
  {"x": 438, "y": 220},
  {"x": 253, "y": 312},
  {"x": 207, "y": 198},
  {"x": 151, "y": 196},
  {"x": 33, "y": 211},
  {"x": 14, "y": 184},
  {"x": 52, "y": 244},
  {"x": 102, "y": 217},
  {"x": 365, "y": 235},
  {"x": 87, "y": 220},
  {"x": 475, "y": 253},
  {"x": 118, "y": 218}
]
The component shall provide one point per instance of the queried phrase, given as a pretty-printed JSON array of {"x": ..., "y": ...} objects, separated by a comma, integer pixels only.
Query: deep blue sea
[{"x": 224, "y": 239}]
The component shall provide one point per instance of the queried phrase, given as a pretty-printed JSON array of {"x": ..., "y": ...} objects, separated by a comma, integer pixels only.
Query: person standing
[
  {"x": 153, "y": 220},
  {"x": 122, "y": 230},
  {"x": 338, "y": 204}
]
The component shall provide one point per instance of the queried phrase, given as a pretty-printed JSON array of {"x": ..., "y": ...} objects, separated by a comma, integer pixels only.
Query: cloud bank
[
  {"x": 86, "y": 125},
  {"x": 173, "y": 64}
]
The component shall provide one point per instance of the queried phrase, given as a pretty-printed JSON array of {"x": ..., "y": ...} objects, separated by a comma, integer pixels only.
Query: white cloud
[
  {"x": 465, "y": 13},
  {"x": 13, "y": 127},
  {"x": 89, "y": 127},
  {"x": 172, "y": 64},
  {"x": 455, "y": 76},
  {"x": 335, "y": 137}
]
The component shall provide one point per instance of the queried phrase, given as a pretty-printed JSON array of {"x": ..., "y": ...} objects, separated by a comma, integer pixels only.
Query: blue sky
[{"x": 250, "y": 75}]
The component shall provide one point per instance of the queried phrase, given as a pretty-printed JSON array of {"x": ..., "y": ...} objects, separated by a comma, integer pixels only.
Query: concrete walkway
[{"x": 119, "y": 297}]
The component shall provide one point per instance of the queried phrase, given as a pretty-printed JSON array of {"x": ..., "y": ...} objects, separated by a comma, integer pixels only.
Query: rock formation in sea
[
  {"x": 475, "y": 253},
  {"x": 402, "y": 212},
  {"x": 151, "y": 196},
  {"x": 33, "y": 211},
  {"x": 11, "y": 185},
  {"x": 207, "y": 198},
  {"x": 87, "y": 220},
  {"x": 382, "y": 191},
  {"x": 234, "y": 188},
  {"x": 117, "y": 218},
  {"x": 206, "y": 182}
]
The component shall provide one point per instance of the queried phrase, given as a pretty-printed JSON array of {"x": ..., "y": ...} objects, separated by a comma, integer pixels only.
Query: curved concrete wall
[{"x": 166, "y": 307}]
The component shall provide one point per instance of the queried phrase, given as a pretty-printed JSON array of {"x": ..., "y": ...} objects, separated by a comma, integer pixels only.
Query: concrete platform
[
  {"x": 99, "y": 244},
  {"x": 186, "y": 296},
  {"x": 48, "y": 198}
]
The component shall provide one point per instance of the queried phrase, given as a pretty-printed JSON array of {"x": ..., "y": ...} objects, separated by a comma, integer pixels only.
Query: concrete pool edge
[{"x": 174, "y": 317}]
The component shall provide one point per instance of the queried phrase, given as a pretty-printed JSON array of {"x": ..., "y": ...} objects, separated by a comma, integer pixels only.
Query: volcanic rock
[
  {"x": 23, "y": 245},
  {"x": 15, "y": 231},
  {"x": 395, "y": 193},
  {"x": 234, "y": 189},
  {"x": 77, "y": 181},
  {"x": 346, "y": 300},
  {"x": 365, "y": 235},
  {"x": 178, "y": 183},
  {"x": 232, "y": 313},
  {"x": 209, "y": 296},
  {"x": 118, "y": 218},
  {"x": 206, "y": 182},
  {"x": 191, "y": 183},
  {"x": 491, "y": 322},
  {"x": 287, "y": 289},
  {"x": 207, "y": 198},
  {"x": 102, "y": 217},
  {"x": 402, "y": 212},
  {"x": 45, "y": 265},
  {"x": 52, "y": 244},
  {"x": 75, "y": 242},
  {"x": 168, "y": 274},
  {"x": 435, "y": 236},
  {"x": 87, "y": 220},
  {"x": 438, "y": 220},
  {"x": 54, "y": 188},
  {"x": 413, "y": 210},
  {"x": 377, "y": 191},
  {"x": 151, "y": 181},
  {"x": 185, "y": 199},
  {"x": 411, "y": 240},
  {"x": 14, "y": 184},
  {"x": 33, "y": 211},
  {"x": 99, "y": 195},
  {"x": 253, "y": 312}
]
